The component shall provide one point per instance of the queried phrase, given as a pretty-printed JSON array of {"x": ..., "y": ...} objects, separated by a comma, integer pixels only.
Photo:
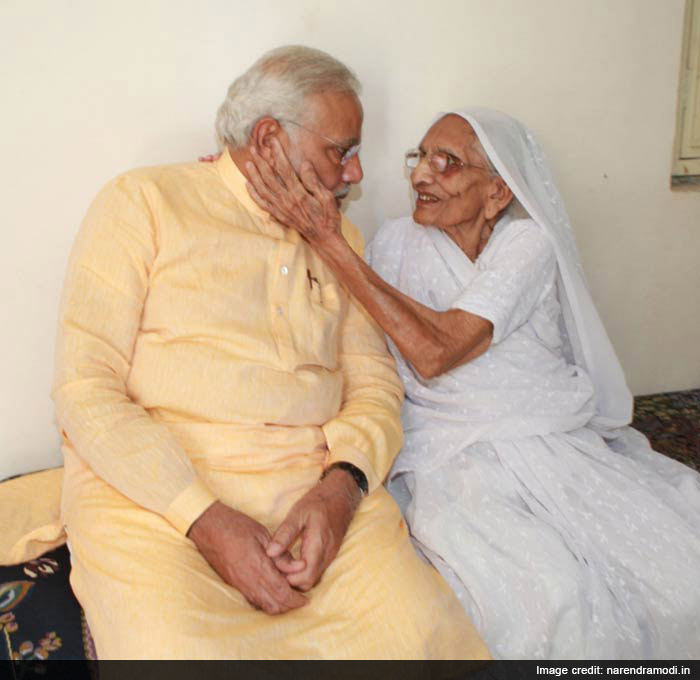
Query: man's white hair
[{"x": 278, "y": 85}]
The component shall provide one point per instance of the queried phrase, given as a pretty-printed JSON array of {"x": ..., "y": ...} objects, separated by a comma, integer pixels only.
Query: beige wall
[{"x": 90, "y": 89}]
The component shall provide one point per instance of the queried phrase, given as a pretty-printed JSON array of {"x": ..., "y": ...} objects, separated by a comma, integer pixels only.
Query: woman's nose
[{"x": 422, "y": 173}]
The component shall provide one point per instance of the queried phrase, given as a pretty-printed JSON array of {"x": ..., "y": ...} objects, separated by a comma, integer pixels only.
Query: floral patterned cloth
[{"x": 39, "y": 616}]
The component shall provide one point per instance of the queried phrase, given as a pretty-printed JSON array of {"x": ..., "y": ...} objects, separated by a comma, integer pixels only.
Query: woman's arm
[{"x": 433, "y": 342}]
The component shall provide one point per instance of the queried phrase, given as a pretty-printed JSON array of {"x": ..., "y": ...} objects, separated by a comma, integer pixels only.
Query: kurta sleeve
[
  {"x": 367, "y": 430},
  {"x": 514, "y": 277},
  {"x": 103, "y": 298}
]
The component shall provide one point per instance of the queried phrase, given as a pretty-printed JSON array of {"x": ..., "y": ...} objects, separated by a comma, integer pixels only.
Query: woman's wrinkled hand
[{"x": 299, "y": 202}]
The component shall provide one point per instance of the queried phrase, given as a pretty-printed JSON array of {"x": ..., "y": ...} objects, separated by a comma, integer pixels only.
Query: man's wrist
[
  {"x": 196, "y": 526},
  {"x": 353, "y": 471},
  {"x": 189, "y": 505}
]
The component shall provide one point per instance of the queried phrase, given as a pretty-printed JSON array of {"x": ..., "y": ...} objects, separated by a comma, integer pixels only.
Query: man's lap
[{"x": 148, "y": 593}]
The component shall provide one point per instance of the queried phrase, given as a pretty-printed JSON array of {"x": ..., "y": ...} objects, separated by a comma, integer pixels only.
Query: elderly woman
[{"x": 562, "y": 533}]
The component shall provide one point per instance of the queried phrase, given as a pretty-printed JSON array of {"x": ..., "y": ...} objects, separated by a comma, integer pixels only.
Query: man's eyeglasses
[
  {"x": 346, "y": 153},
  {"x": 440, "y": 161}
]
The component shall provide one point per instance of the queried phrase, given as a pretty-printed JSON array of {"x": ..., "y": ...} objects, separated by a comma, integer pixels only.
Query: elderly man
[{"x": 229, "y": 412}]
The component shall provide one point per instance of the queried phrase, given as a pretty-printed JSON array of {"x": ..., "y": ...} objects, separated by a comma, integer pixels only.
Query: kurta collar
[{"x": 235, "y": 181}]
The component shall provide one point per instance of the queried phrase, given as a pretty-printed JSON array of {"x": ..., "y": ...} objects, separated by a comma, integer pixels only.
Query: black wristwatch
[{"x": 357, "y": 474}]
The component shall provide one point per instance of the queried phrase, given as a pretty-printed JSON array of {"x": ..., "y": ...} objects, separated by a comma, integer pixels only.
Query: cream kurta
[{"x": 205, "y": 352}]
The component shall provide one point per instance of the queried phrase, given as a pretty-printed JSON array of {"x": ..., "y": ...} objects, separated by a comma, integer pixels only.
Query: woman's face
[{"x": 460, "y": 194}]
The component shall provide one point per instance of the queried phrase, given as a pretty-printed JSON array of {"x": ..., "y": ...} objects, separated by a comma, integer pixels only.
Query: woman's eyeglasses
[{"x": 439, "y": 160}]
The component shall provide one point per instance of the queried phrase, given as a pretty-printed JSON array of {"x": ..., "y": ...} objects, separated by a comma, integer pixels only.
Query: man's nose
[{"x": 352, "y": 171}]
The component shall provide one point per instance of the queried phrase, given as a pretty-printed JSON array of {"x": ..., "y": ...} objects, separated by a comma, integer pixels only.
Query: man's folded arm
[
  {"x": 103, "y": 299},
  {"x": 367, "y": 430}
]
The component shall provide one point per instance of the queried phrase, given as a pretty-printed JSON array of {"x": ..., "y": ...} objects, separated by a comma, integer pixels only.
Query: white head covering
[{"x": 519, "y": 160}]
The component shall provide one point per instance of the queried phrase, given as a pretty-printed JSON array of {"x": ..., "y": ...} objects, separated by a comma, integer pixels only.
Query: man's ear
[
  {"x": 264, "y": 131},
  {"x": 498, "y": 197}
]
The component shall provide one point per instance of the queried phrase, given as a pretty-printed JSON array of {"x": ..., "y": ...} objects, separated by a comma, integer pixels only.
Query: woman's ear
[
  {"x": 264, "y": 131},
  {"x": 498, "y": 198}
]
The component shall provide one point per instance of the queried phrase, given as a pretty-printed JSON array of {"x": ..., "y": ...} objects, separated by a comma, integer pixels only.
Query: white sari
[{"x": 561, "y": 532}]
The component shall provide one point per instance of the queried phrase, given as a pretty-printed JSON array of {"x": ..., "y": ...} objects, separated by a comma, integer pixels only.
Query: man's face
[{"x": 337, "y": 117}]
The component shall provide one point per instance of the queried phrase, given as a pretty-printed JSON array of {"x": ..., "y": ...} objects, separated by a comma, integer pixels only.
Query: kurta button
[
  {"x": 279, "y": 311},
  {"x": 284, "y": 270}
]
